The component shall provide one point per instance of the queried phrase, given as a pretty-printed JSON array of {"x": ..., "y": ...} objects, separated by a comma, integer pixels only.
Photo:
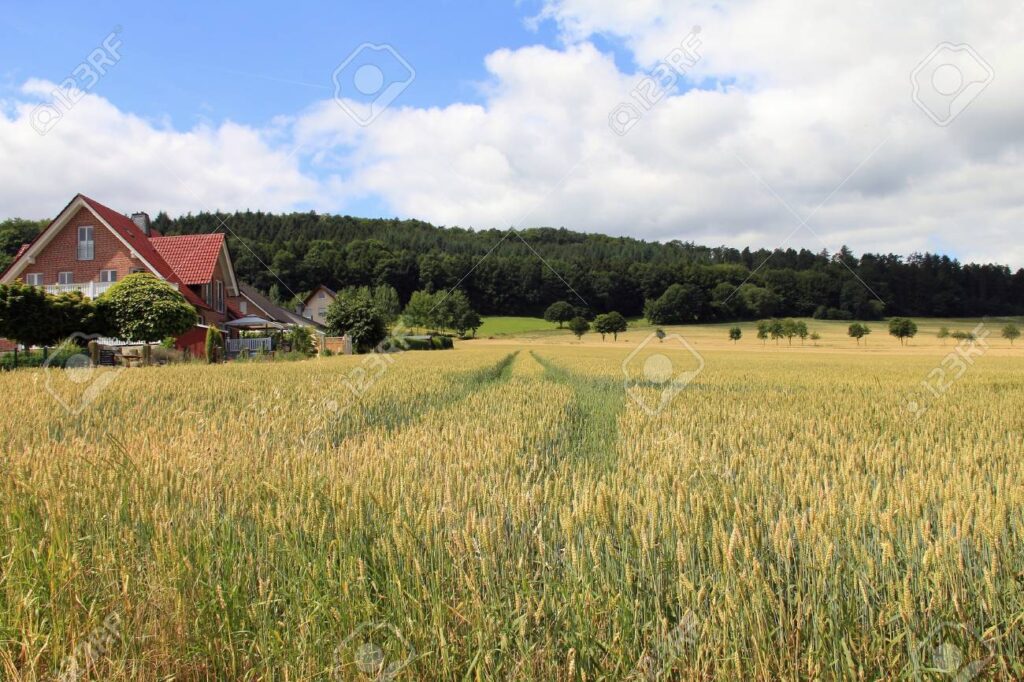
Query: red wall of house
[{"x": 61, "y": 254}]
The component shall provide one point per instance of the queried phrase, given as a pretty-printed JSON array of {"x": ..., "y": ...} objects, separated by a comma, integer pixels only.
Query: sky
[{"x": 768, "y": 123}]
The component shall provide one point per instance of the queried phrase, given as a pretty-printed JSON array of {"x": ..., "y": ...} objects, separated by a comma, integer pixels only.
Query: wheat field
[{"x": 517, "y": 512}]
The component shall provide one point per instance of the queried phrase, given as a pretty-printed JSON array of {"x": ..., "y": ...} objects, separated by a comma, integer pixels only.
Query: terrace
[{"x": 88, "y": 289}]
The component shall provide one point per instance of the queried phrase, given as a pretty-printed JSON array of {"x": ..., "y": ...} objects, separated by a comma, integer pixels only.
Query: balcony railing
[{"x": 88, "y": 289}]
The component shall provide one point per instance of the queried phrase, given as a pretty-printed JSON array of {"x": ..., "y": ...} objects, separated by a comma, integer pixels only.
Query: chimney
[{"x": 141, "y": 219}]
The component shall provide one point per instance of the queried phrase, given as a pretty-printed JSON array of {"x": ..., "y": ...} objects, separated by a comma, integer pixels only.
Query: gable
[
  {"x": 55, "y": 250},
  {"x": 138, "y": 246}
]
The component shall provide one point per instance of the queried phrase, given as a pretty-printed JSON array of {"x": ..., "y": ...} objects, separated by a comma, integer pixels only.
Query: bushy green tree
[
  {"x": 681, "y": 303},
  {"x": 560, "y": 312},
  {"x": 735, "y": 334},
  {"x": 356, "y": 315},
  {"x": 764, "y": 330},
  {"x": 579, "y": 326},
  {"x": 943, "y": 334},
  {"x": 902, "y": 328},
  {"x": 858, "y": 331},
  {"x": 802, "y": 331},
  {"x": 791, "y": 328},
  {"x": 143, "y": 308},
  {"x": 420, "y": 310},
  {"x": 467, "y": 320},
  {"x": 1011, "y": 333},
  {"x": 610, "y": 323}
]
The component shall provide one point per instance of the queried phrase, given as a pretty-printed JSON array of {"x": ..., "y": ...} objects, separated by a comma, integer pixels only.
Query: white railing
[
  {"x": 88, "y": 289},
  {"x": 263, "y": 343}
]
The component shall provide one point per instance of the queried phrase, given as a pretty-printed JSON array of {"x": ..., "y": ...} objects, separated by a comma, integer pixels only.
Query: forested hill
[{"x": 609, "y": 273}]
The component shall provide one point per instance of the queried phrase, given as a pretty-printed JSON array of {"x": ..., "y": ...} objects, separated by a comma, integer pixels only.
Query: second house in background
[{"x": 314, "y": 307}]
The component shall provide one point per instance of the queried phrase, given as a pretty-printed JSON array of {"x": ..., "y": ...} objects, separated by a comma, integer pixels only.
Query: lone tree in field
[
  {"x": 815, "y": 337},
  {"x": 660, "y": 333},
  {"x": 1011, "y": 332},
  {"x": 610, "y": 323},
  {"x": 143, "y": 308},
  {"x": 902, "y": 328},
  {"x": 579, "y": 326},
  {"x": 859, "y": 331},
  {"x": 735, "y": 334},
  {"x": 560, "y": 312},
  {"x": 943, "y": 334}
]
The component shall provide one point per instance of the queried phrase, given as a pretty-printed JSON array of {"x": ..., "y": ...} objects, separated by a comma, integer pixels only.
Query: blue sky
[
  {"x": 249, "y": 62},
  {"x": 795, "y": 126}
]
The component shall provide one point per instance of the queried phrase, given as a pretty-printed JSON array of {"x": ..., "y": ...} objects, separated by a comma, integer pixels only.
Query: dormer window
[{"x": 86, "y": 245}]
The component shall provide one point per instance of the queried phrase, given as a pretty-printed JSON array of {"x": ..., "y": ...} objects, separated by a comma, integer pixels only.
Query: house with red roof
[{"x": 88, "y": 247}]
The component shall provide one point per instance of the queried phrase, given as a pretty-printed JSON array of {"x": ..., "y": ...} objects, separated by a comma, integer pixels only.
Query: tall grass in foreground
[{"x": 482, "y": 515}]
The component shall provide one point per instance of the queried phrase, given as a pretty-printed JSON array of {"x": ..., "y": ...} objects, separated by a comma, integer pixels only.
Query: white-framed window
[
  {"x": 321, "y": 312},
  {"x": 135, "y": 271},
  {"x": 65, "y": 278},
  {"x": 86, "y": 244},
  {"x": 34, "y": 279},
  {"x": 218, "y": 293},
  {"x": 243, "y": 307},
  {"x": 205, "y": 293},
  {"x": 108, "y": 276}
]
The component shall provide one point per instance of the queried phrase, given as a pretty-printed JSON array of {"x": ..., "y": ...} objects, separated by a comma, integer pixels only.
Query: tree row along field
[{"x": 517, "y": 513}]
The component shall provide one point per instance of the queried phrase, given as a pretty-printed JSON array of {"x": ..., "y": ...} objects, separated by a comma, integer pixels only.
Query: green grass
[{"x": 503, "y": 326}]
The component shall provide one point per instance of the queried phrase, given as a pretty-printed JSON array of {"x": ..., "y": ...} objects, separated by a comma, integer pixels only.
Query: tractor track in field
[
  {"x": 591, "y": 432},
  {"x": 463, "y": 384}
]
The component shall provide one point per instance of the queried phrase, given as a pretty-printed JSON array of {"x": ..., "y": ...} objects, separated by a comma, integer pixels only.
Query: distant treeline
[{"x": 608, "y": 273}]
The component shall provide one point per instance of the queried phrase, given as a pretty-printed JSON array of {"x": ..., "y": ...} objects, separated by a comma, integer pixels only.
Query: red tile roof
[
  {"x": 134, "y": 236},
  {"x": 193, "y": 257},
  {"x": 6, "y": 345}
]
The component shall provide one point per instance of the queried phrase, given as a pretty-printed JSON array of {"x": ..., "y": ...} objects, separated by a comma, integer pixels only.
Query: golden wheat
[{"x": 493, "y": 514}]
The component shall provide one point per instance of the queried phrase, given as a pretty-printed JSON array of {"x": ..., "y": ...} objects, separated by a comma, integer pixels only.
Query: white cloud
[
  {"x": 809, "y": 101},
  {"x": 131, "y": 164}
]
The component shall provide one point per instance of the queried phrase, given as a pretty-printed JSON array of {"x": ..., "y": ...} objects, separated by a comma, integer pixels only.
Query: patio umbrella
[{"x": 252, "y": 322}]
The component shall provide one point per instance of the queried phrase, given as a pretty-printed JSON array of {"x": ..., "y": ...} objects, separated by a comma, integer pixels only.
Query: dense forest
[{"x": 607, "y": 273}]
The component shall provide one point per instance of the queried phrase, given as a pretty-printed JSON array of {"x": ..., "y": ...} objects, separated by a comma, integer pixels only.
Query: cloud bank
[{"x": 796, "y": 127}]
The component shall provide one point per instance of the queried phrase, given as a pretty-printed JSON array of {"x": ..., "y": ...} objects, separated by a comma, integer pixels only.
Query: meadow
[{"x": 523, "y": 508}]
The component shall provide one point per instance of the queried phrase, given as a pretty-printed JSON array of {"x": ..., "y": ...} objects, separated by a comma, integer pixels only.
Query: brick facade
[
  {"x": 61, "y": 254},
  {"x": 212, "y": 316}
]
